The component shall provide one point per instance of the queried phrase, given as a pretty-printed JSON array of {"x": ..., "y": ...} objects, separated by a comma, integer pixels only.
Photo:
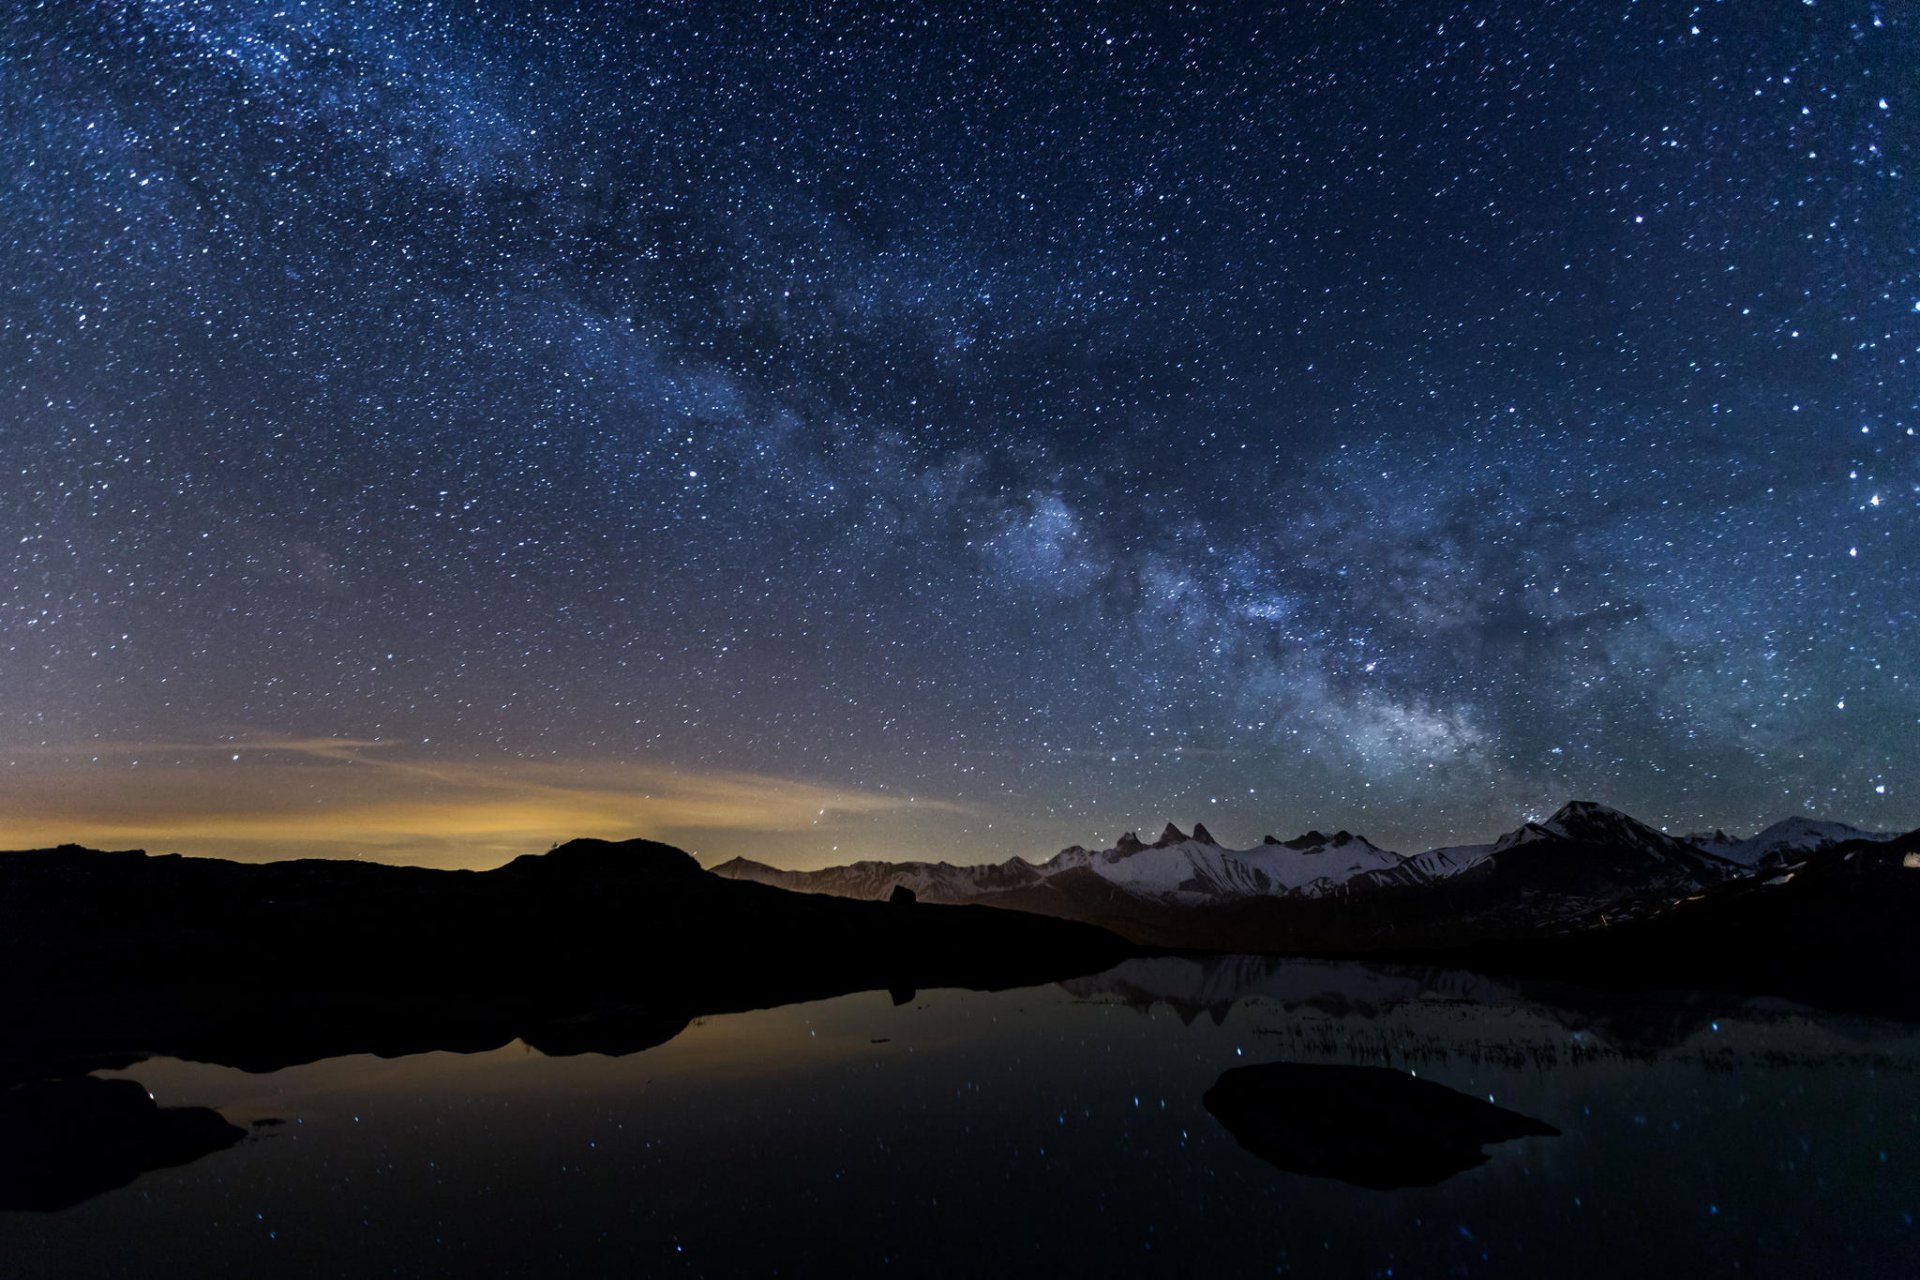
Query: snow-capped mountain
[
  {"x": 1577, "y": 820},
  {"x": 1784, "y": 841},
  {"x": 1317, "y": 865},
  {"x": 1585, "y": 863},
  {"x": 1176, "y": 869}
]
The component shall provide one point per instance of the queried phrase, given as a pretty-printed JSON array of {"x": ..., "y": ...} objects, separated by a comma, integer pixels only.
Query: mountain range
[{"x": 1586, "y": 864}]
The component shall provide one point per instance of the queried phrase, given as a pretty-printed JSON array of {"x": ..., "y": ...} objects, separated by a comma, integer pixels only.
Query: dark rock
[
  {"x": 1369, "y": 1126},
  {"x": 65, "y": 1141},
  {"x": 1129, "y": 842},
  {"x": 1172, "y": 835},
  {"x": 902, "y": 896},
  {"x": 1203, "y": 835}
]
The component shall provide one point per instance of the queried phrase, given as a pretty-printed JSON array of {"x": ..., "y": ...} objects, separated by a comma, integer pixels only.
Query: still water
[{"x": 1055, "y": 1129}]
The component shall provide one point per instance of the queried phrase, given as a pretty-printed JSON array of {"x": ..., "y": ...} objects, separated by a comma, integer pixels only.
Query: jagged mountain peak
[
  {"x": 1201, "y": 834},
  {"x": 1583, "y": 820},
  {"x": 1524, "y": 834},
  {"x": 1317, "y": 839},
  {"x": 1582, "y": 813},
  {"x": 1129, "y": 842}
]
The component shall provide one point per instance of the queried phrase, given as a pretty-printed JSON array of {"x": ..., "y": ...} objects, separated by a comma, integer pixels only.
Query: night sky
[{"x": 822, "y": 431}]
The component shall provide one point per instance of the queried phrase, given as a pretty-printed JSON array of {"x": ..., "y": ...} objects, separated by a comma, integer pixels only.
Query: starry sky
[{"x": 817, "y": 431}]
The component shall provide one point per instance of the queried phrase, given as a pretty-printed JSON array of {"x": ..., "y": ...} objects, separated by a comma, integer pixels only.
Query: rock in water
[
  {"x": 65, "y": 1141},
  {"x": 1369, "y": 1126}
]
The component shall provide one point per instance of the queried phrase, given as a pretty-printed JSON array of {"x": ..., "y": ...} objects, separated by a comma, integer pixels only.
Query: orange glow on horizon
[{"x": 340, "y": 798}]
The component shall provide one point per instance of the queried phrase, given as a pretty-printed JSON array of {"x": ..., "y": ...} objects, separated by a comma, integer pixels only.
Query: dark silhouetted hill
[{"x": 113, "y": 956}]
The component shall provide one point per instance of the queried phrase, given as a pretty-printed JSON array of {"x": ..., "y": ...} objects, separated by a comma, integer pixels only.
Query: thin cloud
[{"x": 359, "y": 798}]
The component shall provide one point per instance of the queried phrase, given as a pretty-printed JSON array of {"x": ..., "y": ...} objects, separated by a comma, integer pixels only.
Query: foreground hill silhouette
[{"x": 115, "y": 956}]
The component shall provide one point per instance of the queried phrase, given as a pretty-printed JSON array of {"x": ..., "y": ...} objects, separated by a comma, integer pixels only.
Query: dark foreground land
[{"x": 115, "y": 957}]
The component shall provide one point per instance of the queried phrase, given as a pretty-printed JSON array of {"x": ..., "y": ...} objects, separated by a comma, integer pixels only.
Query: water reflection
[{"x": 1058, "y": 1127}]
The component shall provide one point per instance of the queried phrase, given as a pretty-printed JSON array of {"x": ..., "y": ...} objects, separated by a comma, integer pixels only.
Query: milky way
[{"x": 1034, "y": 420}]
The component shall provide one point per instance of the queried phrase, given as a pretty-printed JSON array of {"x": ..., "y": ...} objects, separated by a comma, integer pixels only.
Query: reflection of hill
[
  {"x": 1370, "y": 1126},
  {"x": 595, "y": 946},
  {"x": 64, "y": 1141}
]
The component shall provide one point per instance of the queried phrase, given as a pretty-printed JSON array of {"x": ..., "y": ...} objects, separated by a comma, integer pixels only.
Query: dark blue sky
[{"x": 1065, "y": 417}]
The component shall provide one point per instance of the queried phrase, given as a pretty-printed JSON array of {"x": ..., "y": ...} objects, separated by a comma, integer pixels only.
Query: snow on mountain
[
  {"x": 1181, "y": 869},
  {"x": 1437, "y": 864},
  {"x": 1318, "y": 864},
  {"x": 1187, "y": 872},
  {"x": 1585, "y": 820},
  {"x": 1193, "y": 869},
  {"x": 1177, "y": 868},
  {"x": 1784, "y": 841},
  {"x": 1581, "y": 820}
]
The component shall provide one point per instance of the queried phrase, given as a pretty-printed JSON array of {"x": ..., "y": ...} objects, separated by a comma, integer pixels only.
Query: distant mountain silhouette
[
  {"x": 114, "y": 956},
  {"x": 1373, "y": 1127}
]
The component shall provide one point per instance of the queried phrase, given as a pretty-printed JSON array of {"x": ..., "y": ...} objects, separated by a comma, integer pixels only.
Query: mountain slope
[
  {"x": 1831, "y": 927},
  {"x": 1783, "y": 841}
]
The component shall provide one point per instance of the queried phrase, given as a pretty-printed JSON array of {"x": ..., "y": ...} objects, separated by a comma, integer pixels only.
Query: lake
[{"x": 1056, "y": 1129}]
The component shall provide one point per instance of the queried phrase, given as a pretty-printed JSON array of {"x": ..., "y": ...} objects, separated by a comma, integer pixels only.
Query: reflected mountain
[
  {"x": 1196, "y": 986},
  {"x": 1584, "y": 1019},
  {"x": 65, "y": 1141},
  {"x": 1372, "y": 1127}
]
